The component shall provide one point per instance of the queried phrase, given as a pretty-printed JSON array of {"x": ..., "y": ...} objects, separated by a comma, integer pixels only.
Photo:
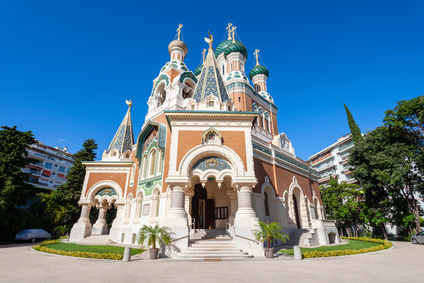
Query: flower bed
[{"x": 382, "y": 246}]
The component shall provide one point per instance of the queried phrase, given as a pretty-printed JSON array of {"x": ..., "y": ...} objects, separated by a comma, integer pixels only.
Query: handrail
[
  {"x": 173, "y": 240},
  {"x": 255, "y": 241}
]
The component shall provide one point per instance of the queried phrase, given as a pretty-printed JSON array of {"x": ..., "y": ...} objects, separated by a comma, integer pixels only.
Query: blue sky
[{"x": 67, "y": 67}]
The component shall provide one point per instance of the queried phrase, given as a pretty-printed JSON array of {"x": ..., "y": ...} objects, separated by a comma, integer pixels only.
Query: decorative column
[
  {"x": 82, "y": 228},
  {"x": 115, "y": 232},
  {"x": 245, "y": 209},
  {"x": 100, "y": 227},
  {"x": 245, "y": 221},
  {"x": 233, "y": 205},
  {"x": 177, "y": 202},
  {"x": 176, "y": 219}
]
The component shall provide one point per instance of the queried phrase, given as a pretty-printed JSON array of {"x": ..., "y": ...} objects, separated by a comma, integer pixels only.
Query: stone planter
[
  {"x": 269, "y": 252},
  {"x": 154, "y": 253}
]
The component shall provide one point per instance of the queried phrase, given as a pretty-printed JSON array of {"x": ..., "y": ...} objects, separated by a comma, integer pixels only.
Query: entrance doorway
[
  {"x": 202, "y": 208},
  {"x": 296, "y": 212}
]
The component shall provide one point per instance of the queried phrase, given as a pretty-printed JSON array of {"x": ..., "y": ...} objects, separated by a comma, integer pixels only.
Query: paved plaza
[{"x": 403, "y": 263}]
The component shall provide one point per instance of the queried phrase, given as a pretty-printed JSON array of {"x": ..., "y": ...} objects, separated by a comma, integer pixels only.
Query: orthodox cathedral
[{"x": 209, "y": 159}]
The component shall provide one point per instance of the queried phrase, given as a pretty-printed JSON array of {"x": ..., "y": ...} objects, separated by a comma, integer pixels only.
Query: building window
[
  {"x": 61, "y": 169},
  {"x": 152, "y": 163},
  {"x": 211, "y": 104},
  {"x": 48, "y": 165},
  {"x": 266, "y": 204}
]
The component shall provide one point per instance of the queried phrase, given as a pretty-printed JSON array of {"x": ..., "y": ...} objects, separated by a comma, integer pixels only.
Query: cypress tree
[{"x": 354, "y": 129}]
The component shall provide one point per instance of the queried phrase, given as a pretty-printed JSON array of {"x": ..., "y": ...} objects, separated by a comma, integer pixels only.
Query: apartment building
[
  {"x": 332, "y": 161},
  {"x": 51, "y": 166}
]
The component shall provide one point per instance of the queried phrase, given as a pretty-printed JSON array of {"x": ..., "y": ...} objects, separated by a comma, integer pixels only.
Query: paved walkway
[{"x": 403, "y": 263}]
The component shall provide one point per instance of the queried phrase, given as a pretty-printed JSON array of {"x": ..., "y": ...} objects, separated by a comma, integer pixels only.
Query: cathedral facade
[{"x": 209, "y": 156}]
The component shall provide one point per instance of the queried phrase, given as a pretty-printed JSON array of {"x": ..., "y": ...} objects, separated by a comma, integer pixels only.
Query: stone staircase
[
  {"x": 302, "y": 237},
  {"x": 212, "y": 244}
]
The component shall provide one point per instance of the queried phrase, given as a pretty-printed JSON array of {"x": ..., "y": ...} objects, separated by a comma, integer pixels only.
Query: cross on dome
[{"x": 179, "y": 30}]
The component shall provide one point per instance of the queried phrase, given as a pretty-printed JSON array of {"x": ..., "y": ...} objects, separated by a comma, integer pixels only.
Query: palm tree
[
  {"x": 154, "y": 235},
  {"x": 268, "y": 231}
]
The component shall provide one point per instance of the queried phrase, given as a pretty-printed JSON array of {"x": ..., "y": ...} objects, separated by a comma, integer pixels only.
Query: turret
[{"x": 121, "y": 146}]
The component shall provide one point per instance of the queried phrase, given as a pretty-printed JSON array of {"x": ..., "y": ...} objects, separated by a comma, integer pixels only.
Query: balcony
[{"x": 346, "y": 146}]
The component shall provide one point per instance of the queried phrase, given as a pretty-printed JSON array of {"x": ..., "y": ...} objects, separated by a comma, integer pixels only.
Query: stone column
[
  {"x": 245, "y": 221},
  {"x": 233, "y": 205},
  {"x": 245, "y": 209},
  {"x": 115, "y": 232},
  {"x": 100, "y": 227},
  {"x": 82, "y": 228},
  {"x": 176, "y": 219},
  {"x": 188, "y": 197},
  {"x": 177, "y": 203}
]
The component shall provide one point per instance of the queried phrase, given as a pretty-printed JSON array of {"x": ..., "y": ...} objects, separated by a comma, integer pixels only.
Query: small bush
[{"x": 383, "y": 245}]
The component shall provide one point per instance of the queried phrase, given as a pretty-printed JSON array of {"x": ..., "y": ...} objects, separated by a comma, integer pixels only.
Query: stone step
[
  {"x": 212, "y": 252},
  {"x": 207, "y": 256},
  {"x": 234, "y": 248}
]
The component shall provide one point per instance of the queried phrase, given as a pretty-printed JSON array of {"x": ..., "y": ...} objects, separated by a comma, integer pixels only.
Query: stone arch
[
  {"x": 91, "y": 193},
  {"x": 138, "y": 204},
  {"x": 268, "y": 192},
  {"x": 296, "y": 196},
  {"x": 160, "y": 93},
  {"x": 317, "y": 207},
  {"x": 200, "y": 151},
  {"x": 155, "y": 202}
]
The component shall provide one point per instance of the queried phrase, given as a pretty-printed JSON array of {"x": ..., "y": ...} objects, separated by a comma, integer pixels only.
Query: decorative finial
[
  {"x": 256, "y": 53},
  {"x": 129, "y": 103},
  {"x": 209, "y": 40},
  {"x": 179, "y": 30},
  {"x": 233, "y": 30},
  {"x": 203, "y": 53},
  {"x": 229, "y": 30}
]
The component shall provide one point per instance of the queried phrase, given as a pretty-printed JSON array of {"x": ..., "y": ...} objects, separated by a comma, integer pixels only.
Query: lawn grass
[
  {"x": 70, "y": 247},
  {"x": 352, "y": 245}
]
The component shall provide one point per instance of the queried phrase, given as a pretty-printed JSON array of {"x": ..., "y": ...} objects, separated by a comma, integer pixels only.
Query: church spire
[
  {"x": 124, "y": 137},
  {"x": 210, "y": 80}
]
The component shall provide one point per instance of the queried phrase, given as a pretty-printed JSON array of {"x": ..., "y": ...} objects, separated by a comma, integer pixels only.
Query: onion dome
[
  {"x": 177, "y": 44},
  {"x": 228, "y": 46},
  {"x": 198, "y": 70},
  {"x": 258, "y": 70}
]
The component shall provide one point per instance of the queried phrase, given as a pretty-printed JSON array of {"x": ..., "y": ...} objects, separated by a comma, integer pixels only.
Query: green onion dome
[
  {"x": 228, "y": 46},
  {"x": 198, "y": 70},
  {"x": 258, "y": 70}
]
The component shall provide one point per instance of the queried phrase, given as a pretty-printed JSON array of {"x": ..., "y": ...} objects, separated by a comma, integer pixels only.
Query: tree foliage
[
  {"x": 14, "y": 191},
  {"x": 13, "y": 157},
  {"x": 344, "y": 203},
  {"x": 354, "y": 129},
  {"x": 388, "y": 164}
]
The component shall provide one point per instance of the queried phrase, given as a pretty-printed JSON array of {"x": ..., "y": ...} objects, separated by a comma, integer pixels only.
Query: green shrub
[{"x": 382, "y": 246}]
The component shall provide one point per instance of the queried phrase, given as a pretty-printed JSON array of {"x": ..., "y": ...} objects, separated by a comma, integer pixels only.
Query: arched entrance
[
  {"x": 296, "y": 211},
  {"x": 202, "y": 208}
]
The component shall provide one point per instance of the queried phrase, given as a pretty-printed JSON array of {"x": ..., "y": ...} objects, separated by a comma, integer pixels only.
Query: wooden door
[{"x": 210, "y": 214}]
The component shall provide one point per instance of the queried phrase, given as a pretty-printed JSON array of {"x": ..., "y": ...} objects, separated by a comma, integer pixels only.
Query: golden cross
[
  {"x": 256, "y": 53},
  {"x": 179, "y": 30},
  {"x": 233, "y": 30},
  {"x": 203, "y": 53},
  {"x": 229, "y": 30}
]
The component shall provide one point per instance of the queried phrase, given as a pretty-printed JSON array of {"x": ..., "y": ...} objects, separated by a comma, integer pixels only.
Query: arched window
[
  {"x": 152, "y": 163},
  {"x": 132, "y": 175},
  {"x": 223, "y": 70},
  {"x": 144, "y": 167},
  {"x": 231, "y": 67},
  {"x": 159, "y": 163},
  {"x": 266, "y": 201}
]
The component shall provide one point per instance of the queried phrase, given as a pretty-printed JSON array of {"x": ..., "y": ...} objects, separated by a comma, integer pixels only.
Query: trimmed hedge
[
  {"x": 42, "y": 248},
  {"x": 382, "y": 246}
]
